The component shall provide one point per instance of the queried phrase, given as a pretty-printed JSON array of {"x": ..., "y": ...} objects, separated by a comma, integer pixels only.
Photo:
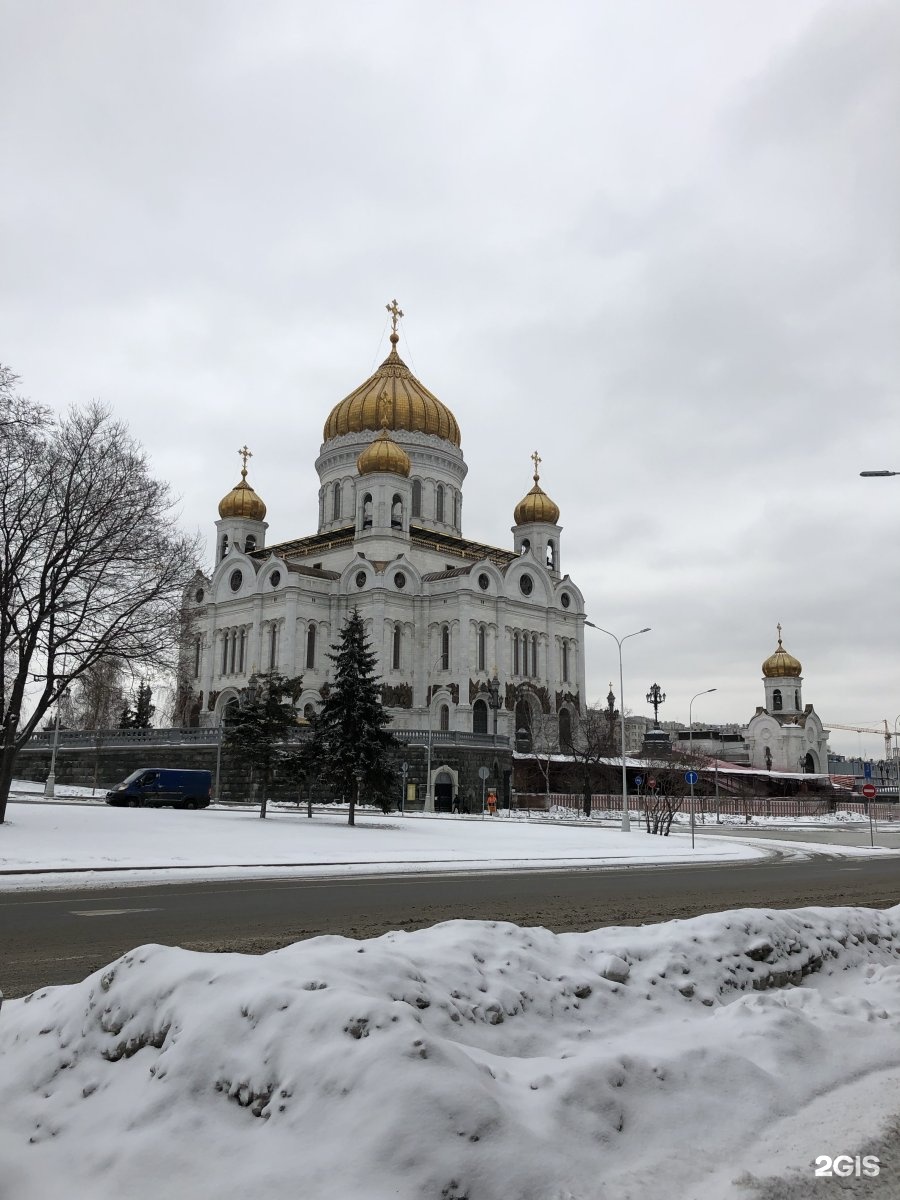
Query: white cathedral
[{"x": 468, "y": 637}]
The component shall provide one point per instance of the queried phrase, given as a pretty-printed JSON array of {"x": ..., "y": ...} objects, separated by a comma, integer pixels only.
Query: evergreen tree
[
  {"x": 260, "y": 727},
  {"x": 140, "y": 716},
  {"x": 351, "y": 744}
]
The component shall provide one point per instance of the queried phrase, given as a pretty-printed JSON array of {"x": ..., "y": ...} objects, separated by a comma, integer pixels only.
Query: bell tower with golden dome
[
  {"x": 241, "y": 525},
  {"x": 782, "y": 680},
  {"x": 537, "y": 530}
]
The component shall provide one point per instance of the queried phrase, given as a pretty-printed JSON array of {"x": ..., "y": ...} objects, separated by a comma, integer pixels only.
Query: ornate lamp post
[
  {"x": 495, "y": 703},
  {"x": 656, "y": 696},
  {"x": 626, "y": 816}
]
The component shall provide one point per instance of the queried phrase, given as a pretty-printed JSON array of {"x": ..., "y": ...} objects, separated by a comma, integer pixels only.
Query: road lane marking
[{"x": 107, "y": 912}]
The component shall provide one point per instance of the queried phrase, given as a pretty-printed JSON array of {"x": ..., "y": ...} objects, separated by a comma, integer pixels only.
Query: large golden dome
[
  {"x": 242, "y": 502},
  {"x": 536, "y": 506},
  {"x": 383, "y": 454},
  {"x": 392, "y": 393},
  {"x": 781, "y": 665}
]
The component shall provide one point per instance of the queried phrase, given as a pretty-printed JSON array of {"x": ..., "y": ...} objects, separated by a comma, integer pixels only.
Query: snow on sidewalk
[{"x": 469, "y": 1061}]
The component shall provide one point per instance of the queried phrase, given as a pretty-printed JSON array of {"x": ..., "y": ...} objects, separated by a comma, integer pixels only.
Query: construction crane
[{"x": 885, "y": 733}]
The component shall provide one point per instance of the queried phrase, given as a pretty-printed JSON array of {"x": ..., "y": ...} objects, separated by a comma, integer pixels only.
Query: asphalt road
[{"x": 54, "y": 937}]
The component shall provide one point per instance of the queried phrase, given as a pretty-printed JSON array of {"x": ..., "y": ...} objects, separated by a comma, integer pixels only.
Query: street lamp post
[
  {"x": 626, "y": 815},
  {"x": 429, "y": 790},
  {"x": 50, "y": 785},
  {"x": 705, "y": 692}
]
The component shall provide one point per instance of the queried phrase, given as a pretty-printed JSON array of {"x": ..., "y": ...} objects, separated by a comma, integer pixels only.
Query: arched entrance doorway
[
  {"x": 809, "y": 764},
  {"x": 479, "y": 717},
  {"x": 443, "y": 791},
  {"x": 523, "y": 727}
]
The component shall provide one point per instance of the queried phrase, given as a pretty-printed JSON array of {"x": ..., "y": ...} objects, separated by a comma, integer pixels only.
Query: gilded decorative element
[
  {"x": 536, "y": 506},
  {"x": 242, "y": 502},
  {"x": 781, "y": 665}
]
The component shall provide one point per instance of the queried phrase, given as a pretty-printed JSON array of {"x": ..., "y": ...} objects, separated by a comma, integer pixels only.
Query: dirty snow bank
[{"x": 471, "y": 1060}]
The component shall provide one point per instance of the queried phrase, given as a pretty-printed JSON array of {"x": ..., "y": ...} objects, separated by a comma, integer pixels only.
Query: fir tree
[
  {"x": 261, "y": 725},
  {"x": 351, "y": 744},
  {"x": 140, "y": 716}
]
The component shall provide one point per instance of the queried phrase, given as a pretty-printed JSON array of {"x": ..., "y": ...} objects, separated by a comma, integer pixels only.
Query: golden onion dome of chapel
[
  {"x": 536, "y": 506},
  {"x": 383, "y": 454},
  {"x": 393, "y": 390},
  {"x": 781, "y": 665},
  {"x": 242, "y": 502}
]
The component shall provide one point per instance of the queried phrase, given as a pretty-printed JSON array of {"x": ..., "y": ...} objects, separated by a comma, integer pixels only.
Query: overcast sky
[{"x": 655, "y": 240}]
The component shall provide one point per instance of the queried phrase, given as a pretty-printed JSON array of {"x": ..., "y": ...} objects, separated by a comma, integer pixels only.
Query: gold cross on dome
[
  {"x": 779, "y": 633},
  {"x": 396, "y": 313},
  {"x": 537, "y": 460},
  {"x": 245, "y": 454}
]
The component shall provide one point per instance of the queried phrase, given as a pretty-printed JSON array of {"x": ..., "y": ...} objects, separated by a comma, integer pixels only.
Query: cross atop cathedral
[
  {"x": 396, "y": 313},
  {"x": 779, "y": 633},
  {"x": 537, "y": 460},
  {"x": 245, "y": 454}
]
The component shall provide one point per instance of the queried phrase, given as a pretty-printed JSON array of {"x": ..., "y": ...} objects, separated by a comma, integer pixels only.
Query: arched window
[
  {"x": 777, "y": 703},
  {"x": 525, "y": 547},
  {"x": 551, "y": 555},
  {"x": 198, "y": 649},
  {"x": 565, "y": 729},
  {"x": 223, "y": 548},
  {"x": 273, "y": 647},
  {"x": 233, "y": 651},
  {"x": 479, "y": 717},
  {"x": 481, "y": 648},
  {"x": 445, "y": 648},
  {"x": 444, "y": 717},
  {"x": 311, "y": 646},
  {"x": 225, "y": 653},
  {"x": 439, "y": 503},
  {"x": 367, "y": 511},
  {"x": 456, "y": 510},
  {"x": 336, "y": 502},
  {"x": 395, "y": 656},
  {"x": 417, "y": 498},
  {"x": 534, "y": 655},
  {"x": 308, "y": 712},
  {"x": 797, "y": 699},
  {"x": 250, "y": 544},
  {"x": 397, "y": 513},
  {"x": 242, "y": 647},
  {"x": 565, "y": 662},
  {"x": 515, "y": 654}
]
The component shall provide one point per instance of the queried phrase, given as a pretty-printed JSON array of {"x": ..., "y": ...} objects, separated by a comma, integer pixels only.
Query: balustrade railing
[{"x": 209, "y": 736}]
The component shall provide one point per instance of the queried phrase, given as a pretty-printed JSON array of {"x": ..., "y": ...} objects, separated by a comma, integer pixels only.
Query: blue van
[{"x": 155, "y": 786}]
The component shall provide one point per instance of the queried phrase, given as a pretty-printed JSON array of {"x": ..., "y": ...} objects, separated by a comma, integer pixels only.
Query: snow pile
[{"x": 469, "y": 1061}]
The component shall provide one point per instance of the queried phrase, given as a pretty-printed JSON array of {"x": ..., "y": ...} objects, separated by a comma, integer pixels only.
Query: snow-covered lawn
[
  {"x": 471, "y": 1060},
  {"x": 216, "y": 843}
]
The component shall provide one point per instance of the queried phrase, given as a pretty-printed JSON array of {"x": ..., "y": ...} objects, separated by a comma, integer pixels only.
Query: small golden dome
[
  {"x": 781, "y": 665},
  {"x": 242, "y": 502},
  {"x": 395, "y": 393},
  {"x": 383, "y": 454},
  {"x": 536, "y": 506}
]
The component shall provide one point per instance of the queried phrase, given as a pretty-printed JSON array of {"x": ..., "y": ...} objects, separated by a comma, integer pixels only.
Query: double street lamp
[{"x": 626, "y": 815}]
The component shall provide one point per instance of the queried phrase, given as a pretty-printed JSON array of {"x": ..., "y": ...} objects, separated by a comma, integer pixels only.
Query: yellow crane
[{"x": 885, "y": 733}]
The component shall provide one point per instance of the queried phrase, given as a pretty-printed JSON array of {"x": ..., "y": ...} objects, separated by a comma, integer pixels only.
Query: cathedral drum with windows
[{"x": 469, "y": 637}]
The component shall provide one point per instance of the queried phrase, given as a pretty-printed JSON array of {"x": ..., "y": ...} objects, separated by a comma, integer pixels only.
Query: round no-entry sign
[{"x": 870, "y": 791}]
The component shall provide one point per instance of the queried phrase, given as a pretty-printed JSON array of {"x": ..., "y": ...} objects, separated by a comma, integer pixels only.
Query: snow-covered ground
[
  {"x": 134, "y": 844},
  {"x": 469, "y": 1061}
]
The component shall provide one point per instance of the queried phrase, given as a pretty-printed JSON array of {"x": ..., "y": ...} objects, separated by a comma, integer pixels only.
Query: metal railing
[{"x": 209, "y": 736}]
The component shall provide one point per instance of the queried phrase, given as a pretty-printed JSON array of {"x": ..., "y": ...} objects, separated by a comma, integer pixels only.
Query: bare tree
[
  {"x": 591, "y": 745},
  {"x": 98, "y": 696},
  {"x": 92, "y": 564}
]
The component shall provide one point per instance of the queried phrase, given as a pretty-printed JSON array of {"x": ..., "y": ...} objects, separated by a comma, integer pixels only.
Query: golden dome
[
  {"x": 781, "y": 665},
  {"x": 383, "y": 454},
  {"x": 242, "y": 502},
  {"x": 536, "y": 505},
  {"x": 394, "y": 393}
]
